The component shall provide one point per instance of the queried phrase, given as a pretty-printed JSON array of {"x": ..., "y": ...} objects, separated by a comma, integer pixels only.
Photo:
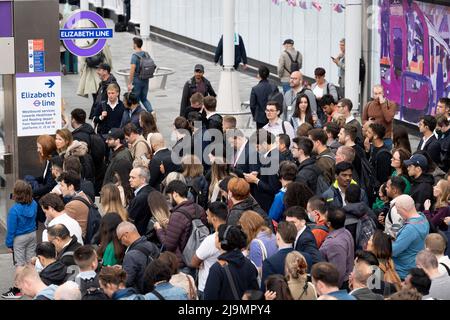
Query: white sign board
[{"x": 38, "y": 97}]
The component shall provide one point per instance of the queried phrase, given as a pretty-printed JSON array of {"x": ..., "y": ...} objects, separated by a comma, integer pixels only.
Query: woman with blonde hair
[
  {"x": 261, "y": 242},
  {"x": 219, "y": 170},
  {"x": 111, "y": 201},
  {"x": 295, "y": 270},
  {"x": 441, "y": 192},
  {"x": 193, "y": 172}
]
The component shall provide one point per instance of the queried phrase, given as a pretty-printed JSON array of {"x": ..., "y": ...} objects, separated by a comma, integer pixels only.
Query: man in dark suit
[
  {"x": 360, "y": 276},
  {"x": 243, "y": 158},
  {"x": 260, "y": 95},
  {"x": 286, "y": 234},
  {"x": 429, "y": 143},
  {"x": 265, "y": 183},
  {"x": 138, "y": 210},
  {"x": 161, "y": 163},
  {"x": 305, "y": 240}
]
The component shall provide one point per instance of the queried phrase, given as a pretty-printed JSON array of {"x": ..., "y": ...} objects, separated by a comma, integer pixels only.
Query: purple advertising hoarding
[{"x": 6, "y": 19}]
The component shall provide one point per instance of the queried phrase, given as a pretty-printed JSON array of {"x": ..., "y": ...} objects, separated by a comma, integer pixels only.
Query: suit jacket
[
  {"x": 275, "y": 264},
  {"x": 307, "y": 243},
  {"x": 138, "y": 210},
  {"x": 258, "y": 100},
  {"x": 433, "y": 148},
  {"x": 366, "y": 294},
  {"x": 156, "y": 177},
  {"x": 269, "y": 184}
]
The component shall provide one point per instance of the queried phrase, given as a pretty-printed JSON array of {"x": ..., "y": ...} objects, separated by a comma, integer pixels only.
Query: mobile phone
[{"x": 10, "y": 196}]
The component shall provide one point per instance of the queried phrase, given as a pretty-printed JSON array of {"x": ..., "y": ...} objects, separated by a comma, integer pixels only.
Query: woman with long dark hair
[
  {"x": 400, "y": 170},
  {"x": 401, "y": 138},
  {"x": 302, "y": 113},
  {"x": 110, "y": 250},
  {"x": 297, "y": 194},
  {"x": 148, "y": 124}
]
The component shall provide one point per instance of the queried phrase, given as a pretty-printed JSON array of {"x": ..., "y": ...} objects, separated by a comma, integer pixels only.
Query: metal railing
[{"x": 160, "y": 72}]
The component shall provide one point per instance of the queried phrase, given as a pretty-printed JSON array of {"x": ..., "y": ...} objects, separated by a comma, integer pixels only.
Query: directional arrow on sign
[{"x": 50, "y": 83}]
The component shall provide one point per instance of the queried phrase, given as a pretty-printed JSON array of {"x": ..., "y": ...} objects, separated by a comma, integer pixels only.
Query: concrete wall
[{"x": 262, "y": 24}]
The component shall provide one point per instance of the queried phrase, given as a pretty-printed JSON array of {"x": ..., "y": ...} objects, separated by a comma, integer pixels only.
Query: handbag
[{"x": 95, "y": 61}]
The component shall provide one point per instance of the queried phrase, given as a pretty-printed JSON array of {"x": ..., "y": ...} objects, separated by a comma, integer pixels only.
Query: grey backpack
[
  {"x": 198, "y": 233},
  {"x": 147, "y": 67}
]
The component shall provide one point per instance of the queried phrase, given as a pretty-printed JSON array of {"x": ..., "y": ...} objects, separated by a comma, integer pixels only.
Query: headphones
[{"x": 224, "y": 241}]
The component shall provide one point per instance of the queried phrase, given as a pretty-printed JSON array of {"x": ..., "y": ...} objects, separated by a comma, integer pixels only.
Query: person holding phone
[{"x": 380, "y": 110}]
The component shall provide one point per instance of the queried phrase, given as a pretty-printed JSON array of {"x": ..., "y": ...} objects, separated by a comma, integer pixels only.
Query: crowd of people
[{"x": 315, "y": 204}]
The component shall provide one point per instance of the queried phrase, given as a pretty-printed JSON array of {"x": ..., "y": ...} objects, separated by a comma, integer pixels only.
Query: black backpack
[
  {"x": 93, "y": 221},
  {"x": 198, "y": 187},
  {"x": 368, "y": 180},
  {"x": 96, "y": 60},
  {"x": 295, "y": 66},
  {"x": 147, "y": 67}
]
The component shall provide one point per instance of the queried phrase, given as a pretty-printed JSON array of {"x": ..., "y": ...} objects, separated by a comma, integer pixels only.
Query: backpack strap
[
  {"x": 292, "y": 60},
  {"x": 263, "y": 248},
  {"x": 81, "y": 199},
  {"x": 283, "y": 126},
  {"x": 225, "y": 266},
  {"x": 68, "y": 253},
  {"x": 446, "y": 267},
  {"x": 158, "y": 295},
  {"x": 296, "y": 57}
]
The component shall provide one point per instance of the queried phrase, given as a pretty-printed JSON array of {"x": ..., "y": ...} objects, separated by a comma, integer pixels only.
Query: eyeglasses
[{"x": 271, "y": 110}]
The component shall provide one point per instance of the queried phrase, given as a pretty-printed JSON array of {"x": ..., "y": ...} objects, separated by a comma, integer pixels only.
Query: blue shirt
[
  {"x": 341, "y": 295},
  {"x": 136, "y": 61},
  {"x": 277, "y": 208},
  {"x": 255, "y": 251},
  {"x": 410, "y": 240},
  {"x": 168, "y": 291}
]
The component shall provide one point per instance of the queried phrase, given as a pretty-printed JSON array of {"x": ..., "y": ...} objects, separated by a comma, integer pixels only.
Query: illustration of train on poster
[{"x": 414, "y": 55}]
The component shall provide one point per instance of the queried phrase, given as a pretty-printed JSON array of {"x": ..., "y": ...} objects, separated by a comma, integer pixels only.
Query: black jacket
[
  {"x": 66, "y": 255},
  {"x": 422, "y": 189},
  {"x": 356, "y": 211},
  {"x": 83, "y": 133},
  {"x": 307, "y": 243},
  {"x": 54, "y": 273},
  {"x": 258, "y": 100},
  {"x": 240, "y": 55},
  {"x": 366, "y": 294},
  {"x": 269, "y": 184},
  {"x": 102, "y": 93},
  {"x": 242, "y": 270},
  {"x": 444, "y": 141},
  {"x": 433, "y": 148},
  {"x": 45, "y": 183},
  {"x": 112, "y": 120},
  {"x": 190, "y": 87},
  {"x": 380, "y": 159},
  {"x": 139, "y": 211},
  {"x": 119, "y": 158},
  {"x": 135, "y": 262},
  {"x": 308, "y": 173},
  {"x": 236, "y": 211},
  {"x": 156, "y": 177},
  {"x": 248, "y": 160}
]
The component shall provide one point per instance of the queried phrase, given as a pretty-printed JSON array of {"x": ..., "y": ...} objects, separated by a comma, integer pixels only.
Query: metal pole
[
  {"x": 84, "y": 4},
  {"x": 228, "y": 96},
  {"x": 145, "y": 24},
  {"x": 353, "y": 12}
]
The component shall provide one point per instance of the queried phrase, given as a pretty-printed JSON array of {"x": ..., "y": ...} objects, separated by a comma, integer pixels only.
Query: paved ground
[{"x": 165, "y": 102}]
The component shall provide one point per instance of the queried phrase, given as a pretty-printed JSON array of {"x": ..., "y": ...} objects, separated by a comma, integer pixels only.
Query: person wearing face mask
[
  {"x": 317, "y": 210},
  {"x": 175, "y": 235}
]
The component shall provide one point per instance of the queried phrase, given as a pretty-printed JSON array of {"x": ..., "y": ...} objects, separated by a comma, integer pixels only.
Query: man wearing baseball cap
[
  {"x": 121, "y": 156},
  {"x": 198, "y": 83},
  {"x": 422, "y": 182},
  {"x": 290, "y": 61}
]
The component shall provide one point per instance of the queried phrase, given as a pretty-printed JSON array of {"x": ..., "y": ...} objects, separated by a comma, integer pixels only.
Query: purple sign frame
[
  {"x": 72, "y": 21},
  {"x": 6, "y": 22}
]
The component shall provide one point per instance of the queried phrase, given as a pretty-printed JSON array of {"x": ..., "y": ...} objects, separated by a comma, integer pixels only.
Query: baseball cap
[
  {"x": 115, "y": 133},
  {"x": 199, "y": 67},
  {"x": 417, "y": 160},
  {"x": 288, "y": 41}
]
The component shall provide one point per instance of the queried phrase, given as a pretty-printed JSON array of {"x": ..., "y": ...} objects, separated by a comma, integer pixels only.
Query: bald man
[
  {"x": 31, "y": 285},
  {"x": 138, "y": 255},
  {"x": 68, "y": 291},
  {"x": 290, "y": 97},
  {"x": 161, "y": 156},
  {"x": 410, "y": 238},
  {"x": 380, "y": 110},
  {"x": 359, "y": 279}
]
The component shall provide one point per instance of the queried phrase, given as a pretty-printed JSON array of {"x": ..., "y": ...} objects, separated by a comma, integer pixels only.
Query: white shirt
[
  {"x": 445, "y": 260},
  {"x": 425, "y": 142},
  {"x": 71, "y": 224},
  {"x": 277, "y": 128},
  {"x": 393, "y": 227},
  {"x": 318, "y": 92},
  {"x": 342, "y": 196},
  {"x": 351, "y": 118},
  {"x": 139, "y": 189},
  {"x": 238, "y": 153},
  {"x": 113, "y": 105},
  {"x": 159, "y": 151},
  {"x": 299, "y": 233},
  {"x": 86, "y": 275},
  {"x": 207, "y": 252}
]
